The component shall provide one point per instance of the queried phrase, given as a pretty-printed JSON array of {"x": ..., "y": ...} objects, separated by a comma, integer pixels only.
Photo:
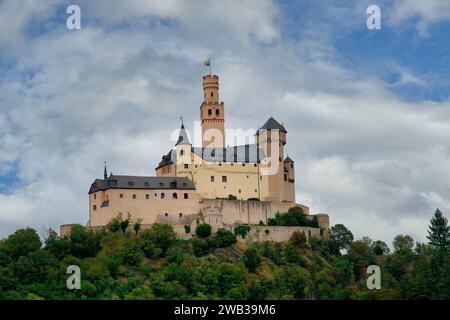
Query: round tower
[{"x": 212, "y": 114}]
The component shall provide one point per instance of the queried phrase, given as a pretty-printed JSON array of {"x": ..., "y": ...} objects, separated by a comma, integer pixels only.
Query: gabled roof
[
  {"x": 139, "y": 182},
  {"x": 273, "y": 124}
]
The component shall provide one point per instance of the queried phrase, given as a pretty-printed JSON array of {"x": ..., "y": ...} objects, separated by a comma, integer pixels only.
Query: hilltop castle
[{"x": 216, "y": 184}]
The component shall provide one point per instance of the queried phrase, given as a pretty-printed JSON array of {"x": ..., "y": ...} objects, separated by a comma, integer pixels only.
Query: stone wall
[{"x": 277, "y": 233}]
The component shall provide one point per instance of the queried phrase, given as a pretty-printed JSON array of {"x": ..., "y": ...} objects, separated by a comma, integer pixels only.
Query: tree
[
  {"x": 439, "y": 232},
  {"x": 225, "y": 238},
  {"x": 379, "y": 248},
  {"x": 22, "y": 243},
  {"x": 403, "y": 244},
  {"x": 251, "y": 259},
  {"x": 158, "y": 239},
  {"x": 299, "y": 240},
  {"x": 339, "y": 238},
  {"x": 137, "y": 225},
  {"x": 203, "y": 230}
]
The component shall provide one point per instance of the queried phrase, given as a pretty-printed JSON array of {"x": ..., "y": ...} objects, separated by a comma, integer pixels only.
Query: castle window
[
  {"x": 285, "y": 177},
  {"x": 131, "y": 183},
  {"x": 212, "y": 178},
  {"x": 292, "y": 165},
  {"x": 209, "y": 112},
  {"x": 256, "y": 190},
  {"x": 94, "y": 207},
  {"x": 156, "y": 195},
  {"x": 134, "y": 196},
  {"x": 224, "y": 178},
  {"x": 217, "y": 112},
  {"x": 166, "y": 214},
  {"x": 239, "y": 190},
  {"x": 95, "y": 196},
  {"x": 147, "y": 196},
  {"x": 186, "y": 166},
  {"x": 180, "y": 215},
  {"x": 254, "y": 165},
  {"x": 174, "y": 195},
  {"x": 243, "y": 164},
  {"x": 186, "y": 196},
  {"x": 212, "y": 94},
  {"x": 146, "y": 183},
  {"x": 162, "y": 195},
  {"x": 121, "y": 196},
  {"x": 182, "y": 152}
]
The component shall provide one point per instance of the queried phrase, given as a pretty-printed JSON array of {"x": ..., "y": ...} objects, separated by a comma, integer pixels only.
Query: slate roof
[
  {"x": 247, "y": 153},
  {"x": 273, "y": 124},
  {"x": 139, "y": 182},
  {"x": 288, "y": 160},
  {"x": 183, "y": 137}
]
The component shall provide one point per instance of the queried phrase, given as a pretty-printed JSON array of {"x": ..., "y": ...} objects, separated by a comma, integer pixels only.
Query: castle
[{"x": 216, "y": 184}]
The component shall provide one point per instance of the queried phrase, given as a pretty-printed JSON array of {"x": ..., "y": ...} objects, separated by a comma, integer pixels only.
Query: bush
[
  {"x": 298, "y": 239},
  {"x": 187, "y": 228},
  {"x": 157, "y": 239},
  {"x": 225, "y": 238},
  {"x": 242, "y": 230},
  {"x": 203, "y": 230},
  {"x": 251, "y": 259},
  {"x": 231, "y": 197},
  {"x": 294, "y": 217}
]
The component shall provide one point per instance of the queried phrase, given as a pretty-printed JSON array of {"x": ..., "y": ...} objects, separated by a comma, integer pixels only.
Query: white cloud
[
  {"x": 73, "y": 99},
  {"x": 427, "y": 12}
]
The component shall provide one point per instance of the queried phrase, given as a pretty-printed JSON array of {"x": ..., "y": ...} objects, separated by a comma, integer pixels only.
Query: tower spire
[
  {"x": 105, "y": 173},
  {"x": 182, "y": 137}
]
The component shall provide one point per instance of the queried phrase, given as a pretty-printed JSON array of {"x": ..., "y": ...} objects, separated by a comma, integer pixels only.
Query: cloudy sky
[{"x": 367, "y": 111}]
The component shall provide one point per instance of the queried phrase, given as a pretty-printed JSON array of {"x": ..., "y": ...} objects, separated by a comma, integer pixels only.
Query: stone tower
[{"x": 212, "y": 114}]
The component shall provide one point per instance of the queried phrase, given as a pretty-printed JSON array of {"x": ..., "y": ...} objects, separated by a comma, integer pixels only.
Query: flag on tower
[{"x": 207, "y": 62}]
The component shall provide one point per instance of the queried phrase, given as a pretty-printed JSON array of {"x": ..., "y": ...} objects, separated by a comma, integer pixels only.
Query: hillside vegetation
[{"x": 125, "y": 262}]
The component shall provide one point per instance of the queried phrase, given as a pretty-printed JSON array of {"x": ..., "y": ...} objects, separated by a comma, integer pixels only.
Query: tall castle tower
[{"x": 212, "y": 114}]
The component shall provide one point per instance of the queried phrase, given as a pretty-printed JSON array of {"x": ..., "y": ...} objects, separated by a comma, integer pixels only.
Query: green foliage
[
  {"x": 403, "y": 244},
  {"x": 187, "y": 228},
  {"x": 242, "y": 230},
  {"x": 231, "y": 197},
  {"x": 157, "y": 240},
  {"x": 439, "y": 232},
  {"x": 299, "y": 240},
  {"x": 251, "y": 259},
  {"x": 379, "y": 248},
  {"x": 339, "y": 238},
  {"x": 294, "y": 217},
  {"x": 253, "y": 199},
  {"x": 22, "y": 243},
  {"x": 155, "y": 264},
  {"x": 203, "y": 230}
]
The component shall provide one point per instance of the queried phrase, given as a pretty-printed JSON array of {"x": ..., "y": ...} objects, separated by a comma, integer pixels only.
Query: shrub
[
  {"x": 251, "y": 259},
  {"x": 225, "y": 238},
  {"x": 187, "y": 228},
  {"x": 242, "y": 230},
  {"x": 231, "y": 197},
  {"x": 203, "y": 230}
]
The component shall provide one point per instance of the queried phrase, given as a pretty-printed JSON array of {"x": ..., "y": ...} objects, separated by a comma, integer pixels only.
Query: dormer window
[{"x": 131, "y": 183}]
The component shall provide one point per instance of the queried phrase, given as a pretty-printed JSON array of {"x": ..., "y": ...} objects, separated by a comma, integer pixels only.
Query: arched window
[
  {"x": 181, "y": 152},
  {"x": 212, "y": 94},
  {"x": 217, "y": 112},
  {"x": 186, "y": 196},
  {"x": 209, "y": 112},
  {"x": 162, "y": 195},
  {"x": 175, "y": 195}
]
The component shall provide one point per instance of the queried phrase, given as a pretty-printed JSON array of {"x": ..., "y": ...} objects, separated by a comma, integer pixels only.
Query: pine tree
[{"x": 439, "y": 232}]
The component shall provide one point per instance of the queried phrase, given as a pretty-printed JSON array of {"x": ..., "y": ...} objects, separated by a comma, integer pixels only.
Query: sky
[{"x": 367, "y": 111}]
